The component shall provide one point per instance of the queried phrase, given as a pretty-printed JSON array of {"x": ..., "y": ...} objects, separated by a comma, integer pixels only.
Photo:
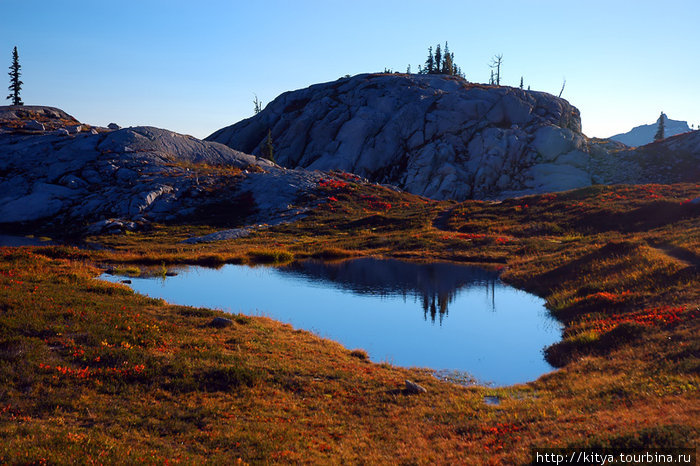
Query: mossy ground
[{"x": 93, "y": 373}]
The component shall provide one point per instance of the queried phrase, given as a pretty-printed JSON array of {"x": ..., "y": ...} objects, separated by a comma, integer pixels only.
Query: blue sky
[{"x": 194, "y": 67}]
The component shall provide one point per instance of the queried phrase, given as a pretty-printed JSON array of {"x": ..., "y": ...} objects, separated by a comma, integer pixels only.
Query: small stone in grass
[
  {"x": 412, "y": 387},
  {"x": 220, "y": 322}
]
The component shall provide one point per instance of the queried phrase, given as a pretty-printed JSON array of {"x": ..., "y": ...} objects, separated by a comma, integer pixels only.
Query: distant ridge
[{"x": 644, "y": 134}]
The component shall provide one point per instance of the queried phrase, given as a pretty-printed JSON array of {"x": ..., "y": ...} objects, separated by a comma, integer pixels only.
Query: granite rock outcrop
[
  {"x": 105, "y": 180},
  {"x": 433, "y": 135}
]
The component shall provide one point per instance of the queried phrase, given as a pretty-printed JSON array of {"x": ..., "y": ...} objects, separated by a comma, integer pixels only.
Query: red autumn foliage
[
  {"x": 332, "y": 184},
  {"x": 665, "y": 316}
]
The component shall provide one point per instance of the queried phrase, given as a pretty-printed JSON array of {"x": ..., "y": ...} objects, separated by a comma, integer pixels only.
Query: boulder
[
  {"x": 111, "y": 226},
  {"x": 220, "y": 322},
  {"x": 113, "y": 126},
  {"x": 414, "y": 388},
  {"x": 33, "y": 125}
]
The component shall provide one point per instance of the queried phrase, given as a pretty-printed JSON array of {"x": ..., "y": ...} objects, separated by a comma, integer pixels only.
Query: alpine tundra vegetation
[
  {"x": 97, "y": 372},
  {"x": 422, "y": 168}
]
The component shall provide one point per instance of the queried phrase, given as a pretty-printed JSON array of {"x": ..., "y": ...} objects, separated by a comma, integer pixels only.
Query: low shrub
[
  {"x": 270, "y": 256},
  {"x": 359, "y": 354}
]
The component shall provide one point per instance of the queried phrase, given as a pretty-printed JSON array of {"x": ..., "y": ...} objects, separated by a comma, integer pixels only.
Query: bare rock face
[
  {"x": 432, "y": 135},
  {"x": 34, "y": 125},
  {"x": 112, "y": 181},
  {"x": 445, "y": 138},
  {"x": 34, "y": 118}
]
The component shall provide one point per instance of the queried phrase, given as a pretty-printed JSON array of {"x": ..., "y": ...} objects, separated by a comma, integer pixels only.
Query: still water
[
  {"x": 437, "y": 315},
  {"x": 15, "y": 241}
]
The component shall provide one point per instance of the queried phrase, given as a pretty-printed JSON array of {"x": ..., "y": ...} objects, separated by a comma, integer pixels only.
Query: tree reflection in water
[{"x": 436, "y": 284}]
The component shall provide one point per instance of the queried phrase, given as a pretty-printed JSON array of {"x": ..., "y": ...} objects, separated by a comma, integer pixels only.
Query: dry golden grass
[{"x": 616, "y": 264}]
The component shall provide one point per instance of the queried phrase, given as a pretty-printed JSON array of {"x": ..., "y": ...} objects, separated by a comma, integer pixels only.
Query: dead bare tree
[
  {"x": 496, "y": 65},
  {"x": 562, "y": 87}
]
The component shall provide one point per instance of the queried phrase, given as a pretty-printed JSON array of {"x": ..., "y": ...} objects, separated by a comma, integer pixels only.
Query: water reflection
[
  {"x": 487, "y": 329},
  {"x": 15, "y": 241},
  {"x": 436, "y": 284}
]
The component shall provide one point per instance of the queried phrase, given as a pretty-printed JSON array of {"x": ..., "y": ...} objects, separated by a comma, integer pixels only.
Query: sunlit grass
[{"x": 94, "y": 373}]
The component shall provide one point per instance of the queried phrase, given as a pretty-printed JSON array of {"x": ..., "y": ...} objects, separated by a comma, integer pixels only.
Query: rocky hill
[
  {"x": 56, "y": 172},
  {"x": 433, "y": 135},
  {"x": 644, "y": 134}
]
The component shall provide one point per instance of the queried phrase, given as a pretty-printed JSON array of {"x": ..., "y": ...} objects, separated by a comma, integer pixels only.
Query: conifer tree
[
  {"x": 448, "y": 61},
  {"x": 267, "y": 149},
  {"x": 447, "y": 65},
  {"x": 257, "y": 105},
  {"x": 429, "y": 63},
  {"x": 521, "y": 82},
  {"x": 15, "y": 83},
  {"x": 661, "y": 128},
  {"x": 438, "y": 59},
  {"x": 440, "y": 62}
]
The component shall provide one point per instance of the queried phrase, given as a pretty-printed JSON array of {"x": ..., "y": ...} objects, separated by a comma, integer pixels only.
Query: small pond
[
  {"x": 444, "y": 316},
  {"x": 15, "y": 241}
]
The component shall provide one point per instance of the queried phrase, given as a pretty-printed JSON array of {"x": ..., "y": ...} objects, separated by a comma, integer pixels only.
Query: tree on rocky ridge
[
  {"x": 438, "y": 60},
  {"x": 15, "y": 83},
  {"x": 257, "y": 104},
  {"x": 496, "y": 65},
  {"x": 430, "y": 62},
  {"x": 448, "y": 62},
  {"x": 448, "y": 65},
  {"x": 267, "y": 149},
  {"x": 441, "y": 62},
  {"x": 661, "y": 128}
]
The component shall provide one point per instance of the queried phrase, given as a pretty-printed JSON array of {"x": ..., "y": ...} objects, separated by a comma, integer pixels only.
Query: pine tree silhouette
[
  {"x": 661, "y": 128},
  {"x": 15, "y": 83},
  {"x": 268, "y": 150},
  {"x": 430, "y": 62},
  {"x": 438, "y": 60}
]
